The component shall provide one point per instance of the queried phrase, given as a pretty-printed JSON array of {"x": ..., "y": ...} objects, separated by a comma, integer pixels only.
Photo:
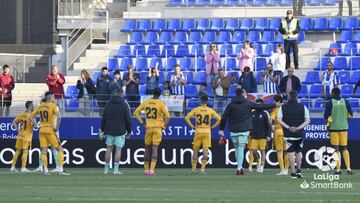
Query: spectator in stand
[
  {"x": 290, "y": 29},
  {"x": 269, "y": 80},
  {"x": 341, "y": 6},
  {"x": 116, "y": 83},
  {"x": 289, "y": 83},
  {"x": 247, "y": 81},
  {"x": 221, "y": 87},
  {"x": 278, "y": 60},
  {"x": 152, "y": 80},
  {"x": 246, "y": 57},
  {"x": 103, "y": 89},
  {"x": 212, "y": 59},
  {"x": 202, "y": 90},
  {"x": 7, "y": 84},
  {"x": 167, "y": 88},
  {"x": 329, "y": 81},
  {"x": 178, "y": 81},
  {"x": 356, "y": 87},
  {"x": 132, "y": 81},
  {"x": 87, "y": 90},
  {"x": 55, "y": 82}
]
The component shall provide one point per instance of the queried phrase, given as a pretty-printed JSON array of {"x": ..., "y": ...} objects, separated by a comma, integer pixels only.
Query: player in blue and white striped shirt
[
  {"x": 178, "y": 81},
  {"x": 269, "y": 80}
]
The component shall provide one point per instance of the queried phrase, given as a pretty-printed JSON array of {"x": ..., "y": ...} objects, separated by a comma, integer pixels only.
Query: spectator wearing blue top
[
  {"x": 329, "y": 81},
  {"x": 247, "y": 81},
  {"x": 152, "y": 81},
  {"x": 117, "y": 83}
]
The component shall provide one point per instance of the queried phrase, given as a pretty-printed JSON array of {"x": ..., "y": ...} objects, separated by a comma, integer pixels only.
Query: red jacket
[
  {"x": 7, "y": 85},
  {"x": 56, "y": 85}
]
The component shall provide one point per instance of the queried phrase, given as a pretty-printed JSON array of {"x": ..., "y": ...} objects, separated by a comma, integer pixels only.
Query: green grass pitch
[{"x": 170, "y": 185}]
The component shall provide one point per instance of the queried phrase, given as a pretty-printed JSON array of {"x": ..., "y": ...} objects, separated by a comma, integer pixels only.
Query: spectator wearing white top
[
  {"x": 178, "y": 81},
  {"x": 269, "y": 80},
  {"x": 329, "y": 80},
  {"x": 278, "y": 60}
]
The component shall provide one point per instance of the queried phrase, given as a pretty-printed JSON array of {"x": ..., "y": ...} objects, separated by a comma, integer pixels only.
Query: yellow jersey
[
  {"x": 155, "y": 110},
  {"x": 203, "y": 116},
  {"x": 47, "y": 112},
  {"x": 26, "y": 126},
  {"x": 277, "y": 126}
]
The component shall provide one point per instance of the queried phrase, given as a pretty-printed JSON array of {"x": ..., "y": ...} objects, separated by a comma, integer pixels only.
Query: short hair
[
  {"x": 157, "y": 92},
  {"x": 204, "y": 99},
  {"x": 43, "y": 100},
  {"x": 246, "y": 68},
  {"x": 130, "y": 67},
  {"x": 176, "y": 65},
  {"x": 335, "y": 92},
  {"x": 104, "y": 68},
  {"x": 119, "y": 91},
  {"x": 220, "y": 69},
  {"x": 239, "y": 91},
  {"x": 117, "y": 72},
  {"x": 293, "y": 95},
  {"x": 278, "y": 98},
  {"x": 269, "y": 64},
  {"x": 203, "y": 84},
  {"x": 259, "y": 101},
  {"x": 6, "y": 66},
  {"x": 48, "y": 93},
  {"x": 247, "y": 42},
  {"x": 28, "y": 104}
]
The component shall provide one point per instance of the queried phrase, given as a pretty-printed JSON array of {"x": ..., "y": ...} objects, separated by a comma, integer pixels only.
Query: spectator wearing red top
[
  {"x": 55, "y": 82},
  {"x": 6, "y": 86}
]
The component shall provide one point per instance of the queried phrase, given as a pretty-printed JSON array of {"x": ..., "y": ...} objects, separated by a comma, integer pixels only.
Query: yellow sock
[
  {"x": 251, "y": 159},
  {"x": 338, "y": 163},
  {"x": 281, "y": 160},
  {"x": 346, "y": 157},
  {"x": 44, "y": 159},
  {"x": 153, "y": 165},
  {"x": 16, "y": 156},
  {"x": 193, "y": 165},
  {"x": 146, "y": 165},
  {"x": 24, "y": 159},
  {"x": 61, "y": 159},
  {"x": 286, "y": 162},
  {"x": 203, "y": 164}
]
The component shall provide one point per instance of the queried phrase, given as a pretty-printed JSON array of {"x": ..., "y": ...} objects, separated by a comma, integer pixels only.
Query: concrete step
[
  {"x": 92, "y": 59},
  {"x": 97, "y": 66}
]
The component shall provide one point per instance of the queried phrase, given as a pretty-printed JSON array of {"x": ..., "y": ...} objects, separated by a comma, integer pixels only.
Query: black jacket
[
  {"x": 295, "y": 83},
  {"x": 89, "y": 85},
  {"x": 103, "y": 87},
  {"x": 238, "y": 111},
  {"x": 260, "y": 119},
  {"x": 116, "y": 119}
]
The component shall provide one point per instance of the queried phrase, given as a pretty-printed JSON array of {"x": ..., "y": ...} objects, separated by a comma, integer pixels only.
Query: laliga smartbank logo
[{"x": 326, "y": 159}]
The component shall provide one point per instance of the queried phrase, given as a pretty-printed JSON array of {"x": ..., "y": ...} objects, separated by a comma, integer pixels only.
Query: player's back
[
  {"x": 47, "y": 112},
  {"x": 203, "y": 116},
  {"x": 155, "y": 110},
  {"x": 26, "y": 126},
  {"x": 277, "y": 126}
]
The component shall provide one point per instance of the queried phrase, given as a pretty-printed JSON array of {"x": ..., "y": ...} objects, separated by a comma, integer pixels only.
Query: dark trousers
[
  {"x": 133, "y": 101},
  {"x": 294, "y": 45},
  {"x": 341, "y": 6},
  {"x": 297, "y": 7}
]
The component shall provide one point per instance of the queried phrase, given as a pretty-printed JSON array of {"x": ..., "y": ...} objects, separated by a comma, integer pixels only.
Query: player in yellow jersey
[
  {"x": 203, "y": 115},
  {"x": 279, "y": 141},
  {"x": 50, "y": 120},
  {"x": 155, "y": 110},
  {"x": 24, "y": 137}
]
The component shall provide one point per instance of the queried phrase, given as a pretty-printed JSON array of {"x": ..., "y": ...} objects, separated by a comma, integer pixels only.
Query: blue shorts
[
  {"x": 118, "y": 141},
  {"x": 239, "y": 138}
]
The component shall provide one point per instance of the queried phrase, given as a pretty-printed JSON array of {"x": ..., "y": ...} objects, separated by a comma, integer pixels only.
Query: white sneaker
[
  {"x": 261, "y": 169},
  {"x": 117, "y": 173},
  {"x": 25, "y": 170},
  {"x": 64, "y": 174},
  {"x": 55, "y": 170},
  {"x": 282, "y": 173},
  {"x": 286, "y": 171},
  {"x": 258, "y": 168},
  {"x": 46, "y": 172},
  {"x": 203, "y": 172},
  {"x": 13, "y": 169},
  {"x": 39, "y": 169}
]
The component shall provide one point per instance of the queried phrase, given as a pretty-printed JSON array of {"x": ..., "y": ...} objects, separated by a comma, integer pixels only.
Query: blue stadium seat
[
  {"x": 258, "y": 49},
  {"x": 144, "y": 25},
  {"x": 179, "y": 37},
  {"x": 312, "y": 77},
  {"x": 232, "y": 3},
  {"x": 200, "y": 63},
  {"x": 142, "y": 89},
  {"x": 274, "y": 24},
  {"x": 226, "y": 50},
  {"x": 260, "y": 63},
  {"x": 253, "y": 36},
  {"x": 315, "y": 91},
  {"x": 190, "y": 91},
  {"x": 182, "y": 50},
  {"x": 217, "y": 24},
  {"x": 173, "y": 25},
  {"x": 136, "y": 38},
  {"x": 189, "y": 3},
  {"x": 210, "y": 91},
  {"x": 304, "y": 92},
  {"x": 168, "y": 50},
  {"x": 95, "y": 76},
  {"x": 313, "y": 2},
  {"x": 139, "y": 51},
  {"x": 232, "y": 90},
  {"x": 71, "y": 92},
  {"x": 189, "y": 76},
  {"x": 157, "y": 62},
  {"x": 305, "y": 23},
  {"x": 330, "y": 3},
  {"x": 320, "y": 24},
  {"x": 194, "y": 37},
  {"x": 233, "y": 74},
  {"x": 161, "y": 78},
  {"x": 261, "y": 24},
  {"x": 150, "y": 38},
  {"x": 346, "y": 36},
  {"x": 217, "y": 2},
  {"x": 340, "y": 63},
  {"x": 246, "y": 24},
  {"x": 72, "y": 105},
  {"x": 355, "y": 77},
  {"x": 354, "y": 104},
  {"x": 319, "y": 105},
  {"x": 279, "y": 39},
  {"x": 202, "y": 25},
  {"x": 175, "y": 2},
  {"x": 209, "y": 37},
  {"x": 185, "y": 63},
  {"x": 269, "y": 49},
  {"x": 229, "y": 64},
  {"x": 94, "y": 106},
  {"x": 267, "y": 37},
  {"x": 143, "y": 76},
  {"x": 124, "y": 51},
  {"x": 238, "y": 49},
  {"x": 125, "y": 62},
  {"x": 238, "y": 37},
  {"x": 231, "y": 24},
  {"x": 354, "y": 63},
  {"x": 350, "y": 49},
  {"x": 141, "y": 64},
  {"x": 200, "y": 77},
  {"x": 202, "y": 3},
  {"x": 170, "y": 63},
  {"x": 129, "y": 26},
  {"x": 258, "y": 77},
  {"x": 322, "y": 64},
  {"x": 336, "y": 46},
  {"x": 188, "y": 25},
  {"x": 306, "y": 102},
  {"x": 197, "y": 50},
  {"x": 356, "y": 38},
  {"x": 347, "y": 90},
  {"x": 159, "y": 25},
  {"x": 224, "y": 37},
  {"x": 153, "y": 50},
  {"x": 112, "y": 64},
  {"x": 165, "y": 38},
  {"x": 192, "y": 103},
  {"x": 351, "y": 23},
  {"x": 344, "y": 77},
  {"x": 335, "y": 23}
]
